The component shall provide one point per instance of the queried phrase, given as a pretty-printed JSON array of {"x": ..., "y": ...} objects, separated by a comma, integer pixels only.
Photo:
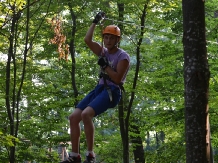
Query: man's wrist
[{"x": 95, "y": 21}]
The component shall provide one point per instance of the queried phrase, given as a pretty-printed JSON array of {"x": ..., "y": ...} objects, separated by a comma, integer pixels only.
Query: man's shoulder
[
  {"x": 123, "y": 52},
  {"x": 124, "y": 55}
]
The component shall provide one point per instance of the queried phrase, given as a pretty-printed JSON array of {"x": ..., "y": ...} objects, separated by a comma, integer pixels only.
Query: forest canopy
[{"x": 46, "y": 68}]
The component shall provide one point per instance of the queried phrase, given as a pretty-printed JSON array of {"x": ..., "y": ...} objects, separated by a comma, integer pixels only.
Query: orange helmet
[{"x": 112, "y": 29}]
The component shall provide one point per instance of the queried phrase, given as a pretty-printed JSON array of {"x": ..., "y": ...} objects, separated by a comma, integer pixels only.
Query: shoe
[
  {"x": 89, "y": 159},
  {"x": 72, "y": 159}
]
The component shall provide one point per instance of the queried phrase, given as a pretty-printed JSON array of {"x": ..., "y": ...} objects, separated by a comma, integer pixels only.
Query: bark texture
[{"x": 196, "y": 79}]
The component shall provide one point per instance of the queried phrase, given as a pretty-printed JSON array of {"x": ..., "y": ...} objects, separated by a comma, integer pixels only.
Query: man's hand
[
  {"x": 103, "y": 62},
  {"x": 98, "y": 17}
]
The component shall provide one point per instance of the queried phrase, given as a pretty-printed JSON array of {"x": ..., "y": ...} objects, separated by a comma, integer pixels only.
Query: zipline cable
[
  {"x": 146, "y": 27},
  {"x": 139, "y": 26}
]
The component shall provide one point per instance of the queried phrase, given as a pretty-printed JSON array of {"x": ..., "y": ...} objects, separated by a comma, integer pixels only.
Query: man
[{"x": 114, "y": 64}]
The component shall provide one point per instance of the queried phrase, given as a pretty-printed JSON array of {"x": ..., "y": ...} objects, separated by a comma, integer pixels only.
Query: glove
[
  {"x": 103, "y": 62},
  {"x": 98, "y": 17}
]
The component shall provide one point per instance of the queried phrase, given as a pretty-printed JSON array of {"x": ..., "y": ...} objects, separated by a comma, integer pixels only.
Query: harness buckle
[{"x": 109, "y": 93}]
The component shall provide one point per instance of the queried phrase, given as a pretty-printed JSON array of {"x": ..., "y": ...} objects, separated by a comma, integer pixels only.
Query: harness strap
[
  {"x": 106, "y": 77},
  {"x": 108, "y": 89}
]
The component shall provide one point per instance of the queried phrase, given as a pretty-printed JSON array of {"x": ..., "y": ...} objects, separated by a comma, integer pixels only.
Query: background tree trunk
[
  {"x": 138, "y": 150},
  {"x": 15, "y": 78},
  {"x": 13, "y": 97},
  {"x": 124, "y": 121},
  {"x": 196, "y": 78},
  {"x": 137, "y": 143},
  {"x": 72, "y": 52}
]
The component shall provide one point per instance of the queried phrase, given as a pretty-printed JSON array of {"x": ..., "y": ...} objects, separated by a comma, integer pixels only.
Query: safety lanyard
[{"x": 102, "y": 40}]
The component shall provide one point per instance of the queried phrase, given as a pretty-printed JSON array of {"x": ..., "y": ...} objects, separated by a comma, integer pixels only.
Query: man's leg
[
  {"x": 75, "y": 119},
  {"x": 87, "y": 116}
]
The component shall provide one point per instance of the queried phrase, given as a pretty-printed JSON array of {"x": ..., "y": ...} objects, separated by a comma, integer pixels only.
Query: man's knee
[
  {"x": 76, "y": 116},
  {"x": 87, "y": 113}
]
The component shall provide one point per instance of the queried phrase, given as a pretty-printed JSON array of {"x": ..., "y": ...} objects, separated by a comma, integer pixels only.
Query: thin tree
[
  {"x": 196, "y": 79},
  {"x": 126, "y": 108},
  {"x": 13, "y": 83}
]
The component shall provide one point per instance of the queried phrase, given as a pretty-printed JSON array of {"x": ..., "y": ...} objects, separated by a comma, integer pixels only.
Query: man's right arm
[{"x": 94, "y": 46}]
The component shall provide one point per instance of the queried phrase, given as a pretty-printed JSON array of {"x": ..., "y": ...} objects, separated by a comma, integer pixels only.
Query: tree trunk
[
  {"x": 124, "y": 130},
  {"x": 137, "y": 143},
  {"x": 72, "y": 52},
  {"x": 196, "y": 80},
  {"x": 9, "y": 103},
  {"x": 124, "y": 121},
  {"x": 14, "y": 87}
]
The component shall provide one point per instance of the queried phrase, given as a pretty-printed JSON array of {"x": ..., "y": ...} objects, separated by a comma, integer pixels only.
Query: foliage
[
  {"x": 7, "y": 140},
  {"x": 47, "y": 96},
  {"x": 59, "y": 38}
]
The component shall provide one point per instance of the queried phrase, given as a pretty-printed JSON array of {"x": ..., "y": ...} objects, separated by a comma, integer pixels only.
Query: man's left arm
[{"x": 121, "y": 69}]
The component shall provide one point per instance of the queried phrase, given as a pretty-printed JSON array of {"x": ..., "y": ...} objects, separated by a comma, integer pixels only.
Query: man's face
[{"x": 110, "y": 40}]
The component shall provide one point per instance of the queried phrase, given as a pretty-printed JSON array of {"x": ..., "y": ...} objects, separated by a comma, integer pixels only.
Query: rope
[
  {"x": 139, "y": 26},
  {"x": 122, "y": 22},
  {"x": 102, "y": 39}
]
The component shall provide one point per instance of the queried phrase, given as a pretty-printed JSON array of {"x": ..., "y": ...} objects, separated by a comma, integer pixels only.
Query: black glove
[
  {"x": 103, "y": 62},
  {"x": 98, "y": 17}
]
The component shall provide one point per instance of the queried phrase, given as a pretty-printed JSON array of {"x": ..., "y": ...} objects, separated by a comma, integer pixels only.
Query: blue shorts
[{"x": 99, "y": 99}]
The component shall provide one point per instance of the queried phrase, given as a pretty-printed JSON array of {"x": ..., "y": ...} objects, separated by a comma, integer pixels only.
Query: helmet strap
[{"x": 118, "y": 40}]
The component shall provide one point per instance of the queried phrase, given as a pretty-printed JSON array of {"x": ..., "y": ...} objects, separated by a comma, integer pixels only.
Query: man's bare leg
[
  {"x": 75, "y": 119},
  {"x": 87, "y": 116}
]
